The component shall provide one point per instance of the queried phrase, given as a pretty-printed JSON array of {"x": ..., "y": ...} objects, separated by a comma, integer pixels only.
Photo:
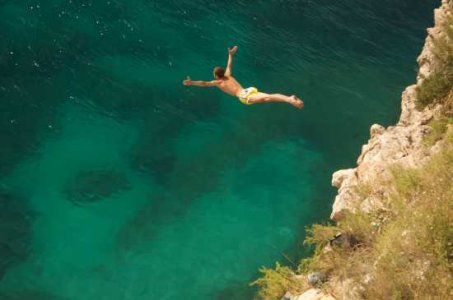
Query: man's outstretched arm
[
  {"x": 200, "y": 83},
  {"x": 231, "y": 52}
]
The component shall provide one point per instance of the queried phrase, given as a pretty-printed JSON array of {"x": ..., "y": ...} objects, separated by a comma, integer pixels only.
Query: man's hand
[
  {"x": 188, "y": 81},
  {"x": 232, "y": 50}
]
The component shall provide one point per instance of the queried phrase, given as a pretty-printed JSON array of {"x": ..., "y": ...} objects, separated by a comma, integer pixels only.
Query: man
[{"x": 226, "y": 82}]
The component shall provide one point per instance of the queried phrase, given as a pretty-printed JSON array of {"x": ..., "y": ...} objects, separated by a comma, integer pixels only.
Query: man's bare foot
[{"x": 296, "y": 102}]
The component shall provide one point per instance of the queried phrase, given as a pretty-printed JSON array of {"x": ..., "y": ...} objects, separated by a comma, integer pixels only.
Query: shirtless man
[{"x": 226, "y": 82}]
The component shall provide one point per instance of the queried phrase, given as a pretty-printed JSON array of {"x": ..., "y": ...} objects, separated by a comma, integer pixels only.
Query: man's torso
[{"x": 229, "y": 86}]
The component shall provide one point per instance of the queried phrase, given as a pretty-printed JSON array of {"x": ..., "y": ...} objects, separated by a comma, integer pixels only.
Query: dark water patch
[
  {"x": 153, "y": 152},
  {"x": 111, "y": 96},
  {"x": 234, "y": 290},
  {"x": 199, "y": 173},
  {"x": 140, "y": 229},
  {"x": 94, "y": 185},
  {"x": 24, "y": 122},
  {"x": 155, "y": 158},
  {"x": 15, "y": 231},
  {"x": 341, "y": 27},
  {"x": 29, "y": 295}
]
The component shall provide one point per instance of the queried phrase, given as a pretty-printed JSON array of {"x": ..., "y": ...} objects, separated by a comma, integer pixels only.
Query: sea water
[{"x": 118, "y": 182}]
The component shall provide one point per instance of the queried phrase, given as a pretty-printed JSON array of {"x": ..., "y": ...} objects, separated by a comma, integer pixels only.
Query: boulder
[
  {"x": 339, "y": 176},
  {"x": 376, "y": 129}
]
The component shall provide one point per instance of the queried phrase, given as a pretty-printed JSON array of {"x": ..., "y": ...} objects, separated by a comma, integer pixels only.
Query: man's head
[{"x": 219, "y": 73}]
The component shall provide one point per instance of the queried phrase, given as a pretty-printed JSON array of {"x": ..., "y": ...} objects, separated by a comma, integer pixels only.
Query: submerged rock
[
  {"x": 28, "y": 295},
  {"x": 15, "y": 231},
  {"x": 154, "y": 158},
  {"x": 94, "y": 185}
]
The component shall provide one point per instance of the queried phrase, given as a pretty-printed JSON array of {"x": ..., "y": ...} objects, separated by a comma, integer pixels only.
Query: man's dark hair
[{"x": 219, "y": 72}]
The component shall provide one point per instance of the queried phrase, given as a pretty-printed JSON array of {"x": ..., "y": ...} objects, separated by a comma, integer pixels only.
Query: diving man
[{"x": 227, "y": 83}]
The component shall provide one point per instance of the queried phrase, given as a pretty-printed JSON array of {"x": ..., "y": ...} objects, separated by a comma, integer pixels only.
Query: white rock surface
[
  {"x": 314, "y": 294},
  {"x": 400, "y": 144}
]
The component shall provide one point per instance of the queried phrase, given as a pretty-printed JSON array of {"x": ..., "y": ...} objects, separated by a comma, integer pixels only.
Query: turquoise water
[{"x": 117, "y": 182}]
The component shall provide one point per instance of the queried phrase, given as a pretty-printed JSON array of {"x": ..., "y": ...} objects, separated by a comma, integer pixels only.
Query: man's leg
[{"x": 264, "y": 97}]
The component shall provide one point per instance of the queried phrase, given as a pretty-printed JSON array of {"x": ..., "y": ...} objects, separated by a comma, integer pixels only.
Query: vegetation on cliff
[
  {"x": 403, "y": 247},
  {"x": 402, "y": 251},
  {"x": 438, "y": 87}
]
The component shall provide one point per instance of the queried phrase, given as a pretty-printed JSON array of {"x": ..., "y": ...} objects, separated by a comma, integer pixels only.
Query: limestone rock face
[
  {"x": 400, "y": 144},
  {"x": 314, "y": 294},
  {"x": 426, "y": 60},
  {"x": 339, "y": 176}
]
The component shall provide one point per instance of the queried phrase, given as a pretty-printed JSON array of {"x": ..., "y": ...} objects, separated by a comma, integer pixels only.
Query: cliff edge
[
  {"x": 391, "y": 237},
  {"x": 401, "y": 144}
]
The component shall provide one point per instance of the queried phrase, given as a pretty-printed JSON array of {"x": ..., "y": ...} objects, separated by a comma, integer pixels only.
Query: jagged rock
[
  {"x": 347, "y": 200},
  {"x": 288, "y": 296},
  {"x": 314, "y": 294},
  {"x": 426, "y": 59},
  {"x": 376, "y": 129},
  {"x": 371, "y": 204},
  {"x": 401, "y": 144},
  {"x": 339, "y": 177},
  {"x": 315, "y": 278},
  {"x": 346, "y": 289}
]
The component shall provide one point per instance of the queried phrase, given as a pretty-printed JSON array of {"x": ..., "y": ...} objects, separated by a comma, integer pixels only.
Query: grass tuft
[
  {"x": 404, "y": 252},
  {"x": 439, "y": 129},
  {"x": 274, "y": 283},
  {"x": 438, "y": 87}
]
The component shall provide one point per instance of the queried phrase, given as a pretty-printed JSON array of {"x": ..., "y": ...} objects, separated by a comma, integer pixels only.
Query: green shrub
[
  {"x": 319, "y": 235},
  {"x": 439, "y": 85},
  {"x": 405, "y": 254},
  {"x": 412, "y": 255},
  {"x": 438, "y": 130},
  {"x": 434, "y": 89},
  {"x": 274, "y": 283}
]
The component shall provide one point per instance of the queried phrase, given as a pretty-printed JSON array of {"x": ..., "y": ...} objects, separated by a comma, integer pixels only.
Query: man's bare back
[{"x": 228, "y": 84}]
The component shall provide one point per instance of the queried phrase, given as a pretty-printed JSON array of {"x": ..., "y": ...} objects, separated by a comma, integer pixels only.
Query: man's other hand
[{"x": 232, "y": 50}]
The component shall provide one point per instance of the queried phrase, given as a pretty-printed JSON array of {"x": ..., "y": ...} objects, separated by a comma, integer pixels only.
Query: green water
[{"x": 117, "y": 182}]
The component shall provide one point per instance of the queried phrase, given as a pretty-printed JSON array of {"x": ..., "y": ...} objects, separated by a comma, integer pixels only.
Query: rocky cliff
[{"x": 401, "y": 144}]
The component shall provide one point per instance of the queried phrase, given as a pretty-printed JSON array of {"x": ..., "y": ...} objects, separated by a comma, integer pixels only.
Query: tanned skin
[{"x": 231, "y": 86}]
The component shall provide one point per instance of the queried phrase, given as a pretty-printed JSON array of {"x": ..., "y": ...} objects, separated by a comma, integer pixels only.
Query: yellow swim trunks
[{"x": 245, "y": 95}]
